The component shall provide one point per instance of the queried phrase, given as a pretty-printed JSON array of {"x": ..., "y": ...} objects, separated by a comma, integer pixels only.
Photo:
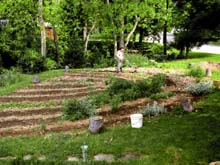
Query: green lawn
[
  {"x": 174, "y": 138},
  {"x": 194, "y": 57}
]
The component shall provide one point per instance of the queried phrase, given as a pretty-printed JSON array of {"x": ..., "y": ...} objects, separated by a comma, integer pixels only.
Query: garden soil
[{"x": 47, "y": 119}]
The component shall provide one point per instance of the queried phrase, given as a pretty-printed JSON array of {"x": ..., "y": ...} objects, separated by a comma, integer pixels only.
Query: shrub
[
  {"x": 199, "y": 89},
  {"x": 9, "y": 77},
  {"x": 115, "y": 101},
  {"x": 172, "y": 53},
  {"x": 32, "y": 62},
  {"x": 154, "y": 110},
  {"x": 50, "y": 64},
  {"x": 118, "y": 85},
  {"x": 163, "y": 95},
  {"x": 78, "y": 109},
  {"x": 157, "y": 81},
  {"x": 196, "y": 72},
  {"x": 101, "y": 98}
]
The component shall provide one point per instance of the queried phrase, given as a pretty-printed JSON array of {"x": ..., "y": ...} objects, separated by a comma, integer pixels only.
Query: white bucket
[{"x": 136, "y": 120}]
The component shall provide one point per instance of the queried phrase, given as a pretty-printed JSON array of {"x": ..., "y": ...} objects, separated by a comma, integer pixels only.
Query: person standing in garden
[{"x": 120, "y": 58}]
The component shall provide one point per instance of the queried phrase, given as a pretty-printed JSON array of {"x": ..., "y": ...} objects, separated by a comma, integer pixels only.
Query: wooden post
[
  {"x": 42, "y": 26},
  {"x": 208, "y": 72}
]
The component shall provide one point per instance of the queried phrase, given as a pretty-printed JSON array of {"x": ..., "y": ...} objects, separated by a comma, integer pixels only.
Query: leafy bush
[
  {"x": 9, "y": 77},
  {"x": 78, "y": 109},
  {"x": 115, "y": 101},
  {"x": 50, "y": 64},
  {"x": 74, "y": 56},
  {"x": 156, "y": 83},
  {"x": 101, "y": 98},
  {"x": 196, "y": 72},
  {"x": 172, "y": 53},
  {"x": 32, "y": 62},
  {"x": 163, "y": 95},
  {"x": 118, "y": 85},
  {"x": 154, "y": 110},
  {"x": 199, "y": 89}
]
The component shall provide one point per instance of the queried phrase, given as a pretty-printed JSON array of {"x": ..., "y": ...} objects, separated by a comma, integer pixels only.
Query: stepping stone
[
  {"x": 8, "y": 158},
  {"x": 128, "y": 156},
  {"x": 27, "y": 157},
  {"x": 42, "y": 157},
  {"x": 72, "y": 159},
  {"x": 215, "y": 163},
  {"x": 104, "y": 157}
]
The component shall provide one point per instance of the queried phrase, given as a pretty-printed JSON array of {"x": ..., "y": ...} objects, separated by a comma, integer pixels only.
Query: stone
[
  {"x": 190, "y": 65},
  {"x": 27, "y": 157},
  {"x": 8, "y": 158},
  {"x": 72, "y": 159},
  {"x": 66, "y": 69},
  {"x": 42, "y": 157},
  {"x": 186, "y": 104},
  {"x": 129, "y": 156},
  {"x": 36, "y": 79},
  {"x": 215, "y": 163},
  {"x": 104, "y": 157}
]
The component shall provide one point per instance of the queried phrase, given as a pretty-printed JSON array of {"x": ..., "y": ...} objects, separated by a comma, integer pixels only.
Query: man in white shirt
[{"x": 120, "y": 58}]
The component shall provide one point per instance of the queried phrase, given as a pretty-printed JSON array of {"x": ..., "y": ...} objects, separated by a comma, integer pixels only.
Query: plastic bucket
[{"x": 136, "y": 120}]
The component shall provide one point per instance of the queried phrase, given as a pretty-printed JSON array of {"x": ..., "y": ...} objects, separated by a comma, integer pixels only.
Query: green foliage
[
  {"x": 172, "y": 53},
  {"x": 74, "y": 55},
  {"x": 115, "y": 102},
  {"x": 201, "y": 88},
  {"x": 196, "y": 27},
  {"x": 21, "y": 32},
  {"x": 50, "y": 64},
  {"x": 130, "y": 90},
  {"x": 101, "y": 98},
  {"x": 78, "y": 109},
  {"x": 154, "y": 110},
  {"x": 196, "y": 72},
  {"x": 155, "y": 52},
  {"x": 162, "y": 95},
  {"x": 9, "y": 77},
  {"x": 32, "y": 62}
]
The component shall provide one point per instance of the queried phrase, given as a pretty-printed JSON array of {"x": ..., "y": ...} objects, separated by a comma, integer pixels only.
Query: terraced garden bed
[{"x": 38, "y": 120}]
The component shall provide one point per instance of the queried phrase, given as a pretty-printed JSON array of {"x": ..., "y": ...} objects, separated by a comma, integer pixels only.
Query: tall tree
[
  {"x": 197, "y": 23},
  {"x": 21, "y": 32}
]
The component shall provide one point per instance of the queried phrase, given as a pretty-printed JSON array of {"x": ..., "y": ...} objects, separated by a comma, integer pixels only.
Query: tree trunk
[
  {"x": 115, "y": 45},
  {"x": 121, "y": 39},
  {"x": 56, "y": 46},
  {"x": 43, "y": 32},
  {"x": 187, "y": 51},
  {"x": 86, "y": 41},
  {"x": 165, "y": 39},
  {"x": 131, "y": 32},
  {"x": 208, "y": 72},
  {"x": 141, "y": 32},
  {"x": 165, "y": 32},
  {"x": 85, "y": 31}
]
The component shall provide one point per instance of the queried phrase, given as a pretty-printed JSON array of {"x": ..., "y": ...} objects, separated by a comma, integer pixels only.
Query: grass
[
  {"x": 194, "y": 57},
  {"x": 174, "y": 138},
  {"x": 27, "y": 80}
]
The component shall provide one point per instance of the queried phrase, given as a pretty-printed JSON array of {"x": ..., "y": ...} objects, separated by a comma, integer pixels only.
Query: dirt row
[{"x": 40, "y": 120}]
